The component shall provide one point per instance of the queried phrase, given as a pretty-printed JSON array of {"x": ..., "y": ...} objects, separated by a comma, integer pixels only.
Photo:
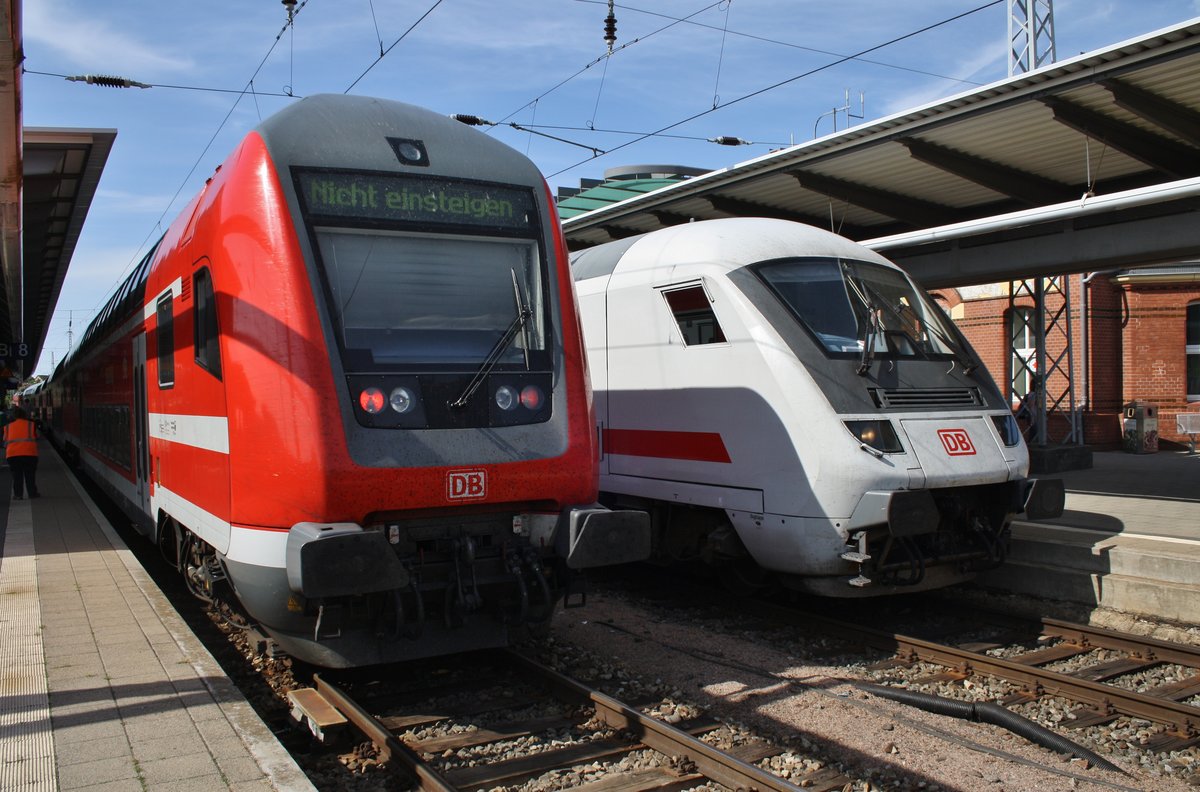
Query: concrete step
[{"x": 1143, "y": 575}]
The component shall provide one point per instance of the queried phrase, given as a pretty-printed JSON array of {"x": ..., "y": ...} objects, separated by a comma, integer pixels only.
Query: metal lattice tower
[
  {"x": 1046, "y": 376},
  {"x": 1030, "y": 35}
]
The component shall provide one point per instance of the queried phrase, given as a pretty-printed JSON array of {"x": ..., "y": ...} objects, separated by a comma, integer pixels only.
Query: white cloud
[
  {"x": 985, "y": 66},
  {"x": 125, "y": 203},
  {"x": 97, "y": 45}
]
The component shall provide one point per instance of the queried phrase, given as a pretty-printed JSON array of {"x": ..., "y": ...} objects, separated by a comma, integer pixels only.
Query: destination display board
[{"x": 407, "y": 199}]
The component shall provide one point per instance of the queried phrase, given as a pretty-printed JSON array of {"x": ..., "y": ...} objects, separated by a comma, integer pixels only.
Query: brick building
[{"x": 1141, "y": 341}]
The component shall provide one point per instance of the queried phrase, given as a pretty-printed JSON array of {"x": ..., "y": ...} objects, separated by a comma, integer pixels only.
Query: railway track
[
  {"x": 1022, "y": 652},
  {"x": 564, "y": 732}
]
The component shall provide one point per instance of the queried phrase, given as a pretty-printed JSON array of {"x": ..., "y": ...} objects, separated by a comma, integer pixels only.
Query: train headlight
[
  {"x": 371, "y": 400},
  {"x": 531, "y": 398},
  {"x": 402, "y": 400},
  {"x": 1007, "y": 427},
  {"x": 506, "y": 397},
  {"x": 877, "y": 434}
]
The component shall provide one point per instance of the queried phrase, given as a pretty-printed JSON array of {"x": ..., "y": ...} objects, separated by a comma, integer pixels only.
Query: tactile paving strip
[{"x": 26, "y": 738}]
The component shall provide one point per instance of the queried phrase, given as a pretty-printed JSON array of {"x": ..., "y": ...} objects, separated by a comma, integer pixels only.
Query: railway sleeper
[{"x": 310, "y": 709}]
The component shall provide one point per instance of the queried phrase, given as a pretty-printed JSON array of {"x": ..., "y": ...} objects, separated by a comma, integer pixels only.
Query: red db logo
[
  {"x": 463, "y": 484},
  {"x": 956, "y": 442}
]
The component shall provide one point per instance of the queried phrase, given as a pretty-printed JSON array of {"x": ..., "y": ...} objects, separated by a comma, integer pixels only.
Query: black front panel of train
[
  {"x": 439, "y": 295},
  {"x": 887, "y": 384},
  {"x": 503, "y": 399}
]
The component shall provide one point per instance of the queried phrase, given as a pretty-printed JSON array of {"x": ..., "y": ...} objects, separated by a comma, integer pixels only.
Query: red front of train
[{"x": 366, "y": 403}]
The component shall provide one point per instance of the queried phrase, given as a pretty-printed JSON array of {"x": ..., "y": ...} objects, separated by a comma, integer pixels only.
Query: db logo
[
  {"x": 463, "y": 484},
  {"x": 956, "y": 442}
]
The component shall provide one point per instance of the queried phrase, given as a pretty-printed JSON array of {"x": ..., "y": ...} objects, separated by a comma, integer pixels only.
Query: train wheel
[
  {"x": 540, "y": 630},
  {"x": 742, "y": 577}
]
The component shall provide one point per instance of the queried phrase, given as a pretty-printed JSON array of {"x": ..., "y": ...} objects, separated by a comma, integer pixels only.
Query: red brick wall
[
  {"x": 1155, "y": 358},
  {"x": 1135, "y": 347}
]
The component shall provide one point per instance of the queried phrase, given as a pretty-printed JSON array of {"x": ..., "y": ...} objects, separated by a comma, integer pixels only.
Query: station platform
[
  {"x": 102, "y": 684},
  {"x": 1128, "y": 539}
]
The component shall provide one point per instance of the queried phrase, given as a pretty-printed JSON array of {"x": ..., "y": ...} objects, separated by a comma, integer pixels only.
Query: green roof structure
[{"x": 619, "y": 184}]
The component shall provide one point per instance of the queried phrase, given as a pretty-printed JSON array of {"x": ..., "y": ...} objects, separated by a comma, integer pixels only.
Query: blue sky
[{"x": 538, "y": 63}]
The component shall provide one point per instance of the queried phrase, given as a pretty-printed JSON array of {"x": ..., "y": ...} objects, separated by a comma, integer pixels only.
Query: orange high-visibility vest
[{"x": 20, "y": 438}]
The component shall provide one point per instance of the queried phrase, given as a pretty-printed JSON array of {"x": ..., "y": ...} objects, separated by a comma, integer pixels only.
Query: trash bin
[{"x": 1140, "y": 428}]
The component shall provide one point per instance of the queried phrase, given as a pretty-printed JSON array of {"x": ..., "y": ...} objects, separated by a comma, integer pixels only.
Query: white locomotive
[{"x": 783, "y": 400}]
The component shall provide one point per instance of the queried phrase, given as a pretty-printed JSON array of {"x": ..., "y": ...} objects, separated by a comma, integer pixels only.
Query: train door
[
  {"x": 141, "y": 425},
  {"x": 648, "y": 409},
  {"x": 680, "y": 399}
]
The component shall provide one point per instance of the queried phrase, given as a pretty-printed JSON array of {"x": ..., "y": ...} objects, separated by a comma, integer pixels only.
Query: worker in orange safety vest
[{"x": 20, "y": 447}]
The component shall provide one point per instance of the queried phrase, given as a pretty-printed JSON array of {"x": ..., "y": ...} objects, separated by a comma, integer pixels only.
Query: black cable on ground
[
  {"x": 819, "y": 690},
  {"x": 988, "y": 712}
]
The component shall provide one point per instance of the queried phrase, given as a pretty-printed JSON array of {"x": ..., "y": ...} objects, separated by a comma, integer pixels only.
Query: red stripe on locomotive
[{"x": 694, "y": 446}]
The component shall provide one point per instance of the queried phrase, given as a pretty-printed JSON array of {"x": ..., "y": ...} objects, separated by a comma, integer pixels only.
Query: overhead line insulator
[
  {"x": 471, "y": 120},
  {"x": 610, "y": 28},
  {"x": 108, "y": 81}
]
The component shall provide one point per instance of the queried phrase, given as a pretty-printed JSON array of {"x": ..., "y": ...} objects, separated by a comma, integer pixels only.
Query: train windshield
[
  {"x": 854, "y": 306},
  {"x": 403, "y": 300}
]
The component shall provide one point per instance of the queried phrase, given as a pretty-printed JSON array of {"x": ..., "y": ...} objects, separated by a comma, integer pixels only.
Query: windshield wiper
[
  {"x": 521, "y": 309},
  {"x": 870, "y": 329},
  {"x": 963, "y": 356},
  {"x": 960, "y": 353},
  {"x": 501, "y": 345},
  {"x": 870, "y": 332}
]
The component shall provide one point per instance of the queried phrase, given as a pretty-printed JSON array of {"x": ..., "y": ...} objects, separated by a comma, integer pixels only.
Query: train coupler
[
  {"x": 860, "y": 557},
  {"x": 263, "y": 644}
]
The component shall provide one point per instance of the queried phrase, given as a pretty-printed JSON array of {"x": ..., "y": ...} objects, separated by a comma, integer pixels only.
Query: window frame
[
  {"x": 164, "y": 335},
  {"x": 1191, "y": 348},
  {"x": 1021, "y": 374},
  {"x": 206, "y": 327},
  {"x": 686, "y": 319}
]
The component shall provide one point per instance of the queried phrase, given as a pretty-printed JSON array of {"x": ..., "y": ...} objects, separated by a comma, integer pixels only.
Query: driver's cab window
[{"x": 694, "y": 314}]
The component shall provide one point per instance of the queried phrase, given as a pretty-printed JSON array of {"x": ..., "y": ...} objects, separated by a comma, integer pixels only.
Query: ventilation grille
[{"x": 919, "y": 398}]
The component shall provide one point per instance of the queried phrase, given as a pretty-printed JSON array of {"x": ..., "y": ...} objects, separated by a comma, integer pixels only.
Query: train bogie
[{"x": 802, "y": 389}]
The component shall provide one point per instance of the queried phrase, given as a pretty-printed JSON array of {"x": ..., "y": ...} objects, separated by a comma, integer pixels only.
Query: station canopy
[
  {"x": 1085, "y": 164},
  {"x": 48, "y": 178}
]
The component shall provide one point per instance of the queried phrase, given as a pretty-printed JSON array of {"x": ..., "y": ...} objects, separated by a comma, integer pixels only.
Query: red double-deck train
[{"x": 349, "y": 383}]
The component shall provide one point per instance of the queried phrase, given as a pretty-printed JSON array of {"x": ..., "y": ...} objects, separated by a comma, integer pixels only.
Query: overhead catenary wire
[
  {"x": 383, "y": 53},
  {"x": 789, "y": 80},
  {"x": 764, "y": 39},
  {"x": 720, "y": 140},
  {"x": 96, "y": 80},
  {"x": 292, "y": 14},
  {"x": 378, "y": 35},
  {"x": 601, "y": 58},
  {"x": 721, "y": 55}
]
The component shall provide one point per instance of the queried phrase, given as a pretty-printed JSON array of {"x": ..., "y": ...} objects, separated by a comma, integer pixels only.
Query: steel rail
[
  {"x": 645, "y": 730},
  {"x": 1149, "y": 648},
  {"x": 664, "y": 738},
  {"x": 1182, "y": 719},
  {"x": 389, "y": 745}
]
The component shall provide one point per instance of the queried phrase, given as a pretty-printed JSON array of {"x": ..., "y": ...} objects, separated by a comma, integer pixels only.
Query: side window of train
[
  {"x": 205, "y": 332},
  {"x": 164, "y": 318},
  {"x": 694, "y": 314}
]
